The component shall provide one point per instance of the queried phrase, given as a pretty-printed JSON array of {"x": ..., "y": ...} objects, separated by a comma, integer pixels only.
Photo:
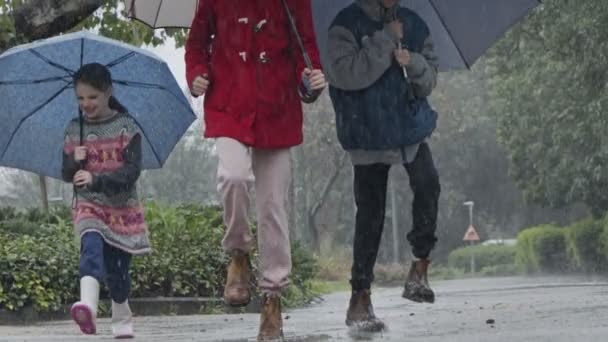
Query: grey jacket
[{"x": 354, "y": 67}]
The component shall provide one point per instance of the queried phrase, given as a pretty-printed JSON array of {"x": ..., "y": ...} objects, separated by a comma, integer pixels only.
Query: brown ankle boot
[
  {"x": 417, "y": 286},
  {"x": 236, "y": 291},
  {"x": 271, "y": 322},
  {"x": 361, "y": 312}
]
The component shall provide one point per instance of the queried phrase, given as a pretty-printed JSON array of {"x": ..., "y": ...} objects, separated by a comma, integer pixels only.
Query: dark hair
[{"x": 99, "y": 77}]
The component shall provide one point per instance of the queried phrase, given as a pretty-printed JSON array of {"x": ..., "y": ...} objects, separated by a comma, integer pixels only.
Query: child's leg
[
  {"x": 92, "y": 256},
  {"x": 92, "y": 271},
  {"x": 117, "y": 264}
]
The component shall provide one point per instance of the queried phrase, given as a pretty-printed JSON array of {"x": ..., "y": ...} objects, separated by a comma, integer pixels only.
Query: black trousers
[{"x": 370, "y": 187}]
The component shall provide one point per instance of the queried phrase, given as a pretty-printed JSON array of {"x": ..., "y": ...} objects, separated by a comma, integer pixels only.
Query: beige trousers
[{"x": 269, "y": 171}]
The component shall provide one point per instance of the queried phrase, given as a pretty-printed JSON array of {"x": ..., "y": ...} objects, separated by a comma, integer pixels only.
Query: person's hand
[
  {"x": 80, "y": 153},
  {"x": 403, "y": 57},
  {"x": 82, "y": 178},
  {"x": 315, "y": 79},
  {"x": 200, "y": 85},
  {"x": 396, "y": 27}
]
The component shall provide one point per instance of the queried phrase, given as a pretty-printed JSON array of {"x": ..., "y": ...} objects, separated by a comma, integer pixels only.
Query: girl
[{"x": 102, "y": 158}]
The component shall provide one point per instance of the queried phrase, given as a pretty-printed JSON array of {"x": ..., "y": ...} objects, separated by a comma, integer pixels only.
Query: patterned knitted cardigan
[{"x": 109, "y": 205}]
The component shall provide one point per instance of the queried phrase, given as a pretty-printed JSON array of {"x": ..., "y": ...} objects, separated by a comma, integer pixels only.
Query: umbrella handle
[
  {"x": 404, "y": 69},
  {"x": 307, "y": 95},
  {"x": 81, "y": 123}
]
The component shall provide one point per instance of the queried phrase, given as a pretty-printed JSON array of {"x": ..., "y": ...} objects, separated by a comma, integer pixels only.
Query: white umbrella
[{"x": 162, "y": 13}]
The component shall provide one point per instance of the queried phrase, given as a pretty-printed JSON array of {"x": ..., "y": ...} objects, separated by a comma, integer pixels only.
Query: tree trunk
[
  {"x": 44, "y": 196},
  {"x": 312, "y": 214},
  {"x": 37, "y": 19}
]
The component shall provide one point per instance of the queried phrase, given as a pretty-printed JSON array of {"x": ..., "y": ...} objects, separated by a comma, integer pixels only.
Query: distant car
[{"x": 506, "y": 242}]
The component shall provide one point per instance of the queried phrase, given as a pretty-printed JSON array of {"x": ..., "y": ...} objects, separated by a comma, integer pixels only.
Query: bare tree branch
[{"x": 37, "y": 19}]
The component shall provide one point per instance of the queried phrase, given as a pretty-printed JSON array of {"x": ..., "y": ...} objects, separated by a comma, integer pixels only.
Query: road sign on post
[{"x": 471, "y": 235}]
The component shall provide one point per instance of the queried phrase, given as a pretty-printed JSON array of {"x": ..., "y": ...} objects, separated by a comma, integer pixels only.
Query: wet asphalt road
[{"x": 471, "y": 310}]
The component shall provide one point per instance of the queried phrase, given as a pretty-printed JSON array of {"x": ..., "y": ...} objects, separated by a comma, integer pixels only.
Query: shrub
[
  {"x": 485, "y": 256},
  {"x": 500, "y": 270},
  {"x": 584, "y": 248},
  {"x": 335, "y": 266},
  {"x": 389, "y": 274},
  {"x": 187, "y": 258},
  {"x": 445, "y": 273},
  {"x": 603, "y": 239},
  {"x": 41, "y": 271},
  {"x": 39, "y": 267},
  {"x": 32, "y": 221},
  {"x": 542, "y": 249}
]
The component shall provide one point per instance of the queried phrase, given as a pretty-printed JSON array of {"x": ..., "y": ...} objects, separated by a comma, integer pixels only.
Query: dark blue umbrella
[
  {"x": 38, "y": 100},
  {"x": 462, "y": 29}
]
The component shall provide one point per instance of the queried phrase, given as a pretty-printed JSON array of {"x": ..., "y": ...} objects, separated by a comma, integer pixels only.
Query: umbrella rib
[
  {"x": 81, "y": 51},
  {"x": 154, "y": 24},
  {"x": 43, "y": 80},
  {"x": 120, "y": 59},
  {"x": 160, "y": 5},
  {"x": 131, "y": 12},
  {"x": 10, "y": 140},
  {"x": 51, "y": 63},
  {"x": 156, "y": 86},
  {"x": 139, "y": 84},
  {"x": 450, "y": 34},
  {"x": 150, "y": 86},
  {"x": 148, "y": 140}
]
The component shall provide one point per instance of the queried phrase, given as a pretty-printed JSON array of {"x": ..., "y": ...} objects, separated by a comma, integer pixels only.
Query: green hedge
[
  {"x": 485, "y": 256},
  {"x": 39, "y": 270},
  {"x": 584, "y": 247},
  {"x": 501, "y": 270},
  {"x": 542, "y": 249},
  {"x": 579, "y": 248},
  {"x": 603, "y": 240},
  {"x": 187, "y": 256},
  {"x": 39, "y": 267},
  {"x": 32, "y": 221}
]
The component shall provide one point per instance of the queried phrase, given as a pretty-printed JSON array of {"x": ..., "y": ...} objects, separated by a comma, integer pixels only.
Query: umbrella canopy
[
  {"x": 38, "y": 99},
  {"x": 462, "y": 30},
  {"x": 162, "y": 14}
]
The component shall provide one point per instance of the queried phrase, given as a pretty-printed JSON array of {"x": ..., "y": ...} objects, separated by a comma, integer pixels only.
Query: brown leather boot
[
  {"x": 361, "y": 312},
  {"x": 271, "y": 322},
  {"x": 417, "y": 286},
  {"x": 236, "y": 291}
]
